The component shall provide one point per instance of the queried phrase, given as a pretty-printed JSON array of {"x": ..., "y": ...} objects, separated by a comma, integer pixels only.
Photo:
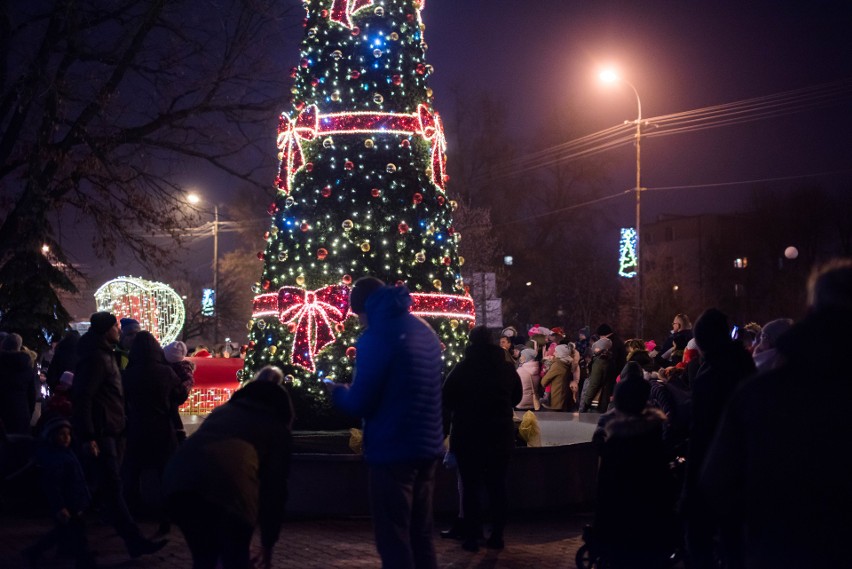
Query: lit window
[{"x": 741, "y": 263}]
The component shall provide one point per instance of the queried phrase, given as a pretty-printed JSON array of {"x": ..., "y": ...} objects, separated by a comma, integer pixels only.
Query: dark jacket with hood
[
  {"x": 239, "y": 459},
  {"x": 480, "y": 394},
  {"x": 723, "y": 369},
  {"x": 97, "y": 393},
  {"x": 397, "y": 383},
  {"x": 787, "y": 475},
  {"x": 151, "y": 386},
  {"x": 17, "y": 391}
]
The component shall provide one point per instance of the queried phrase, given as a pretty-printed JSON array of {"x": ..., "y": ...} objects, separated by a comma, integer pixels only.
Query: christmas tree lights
[
  {"x": 627, "y": 262},
  {"x": 360, "y": 191}
]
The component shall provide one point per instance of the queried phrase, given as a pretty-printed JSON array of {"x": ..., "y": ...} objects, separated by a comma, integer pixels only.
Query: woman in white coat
[{"x": 530, "y": 380}]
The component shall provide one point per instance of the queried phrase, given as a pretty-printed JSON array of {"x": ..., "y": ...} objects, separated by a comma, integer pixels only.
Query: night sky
[{"x": 539, "y": 55}]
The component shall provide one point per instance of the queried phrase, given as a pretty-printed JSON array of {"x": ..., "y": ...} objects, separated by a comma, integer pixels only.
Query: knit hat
[
  {"x": 527, "y": 355},
  {"x": 563, "y": 351},
  {"x": 604, "y": 330},
  {"x": 175, "y": 351},
  {"x": 361, "y": 290},
  {"x": 711, "y": 330},
  {"x": 130, "y": 325},
  {"x": 631, "y": 393},
  {"x": 101, "y": 322},
  {"x": 602, "y": 345},
  {"x": 53, "y": 424},
  {"x": 65, "y": 380},
  {"x": 773, "y": 330}
]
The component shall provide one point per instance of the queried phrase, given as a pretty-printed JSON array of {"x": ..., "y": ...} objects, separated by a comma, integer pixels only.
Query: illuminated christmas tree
[{"x": 361, "y": 191}]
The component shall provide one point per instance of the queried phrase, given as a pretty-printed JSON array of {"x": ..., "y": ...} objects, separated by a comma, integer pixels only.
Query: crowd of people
[{"x": 703, "y": 445}]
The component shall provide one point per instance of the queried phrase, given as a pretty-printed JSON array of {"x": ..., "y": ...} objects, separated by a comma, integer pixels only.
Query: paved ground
[{"x": 541, "y": 542}]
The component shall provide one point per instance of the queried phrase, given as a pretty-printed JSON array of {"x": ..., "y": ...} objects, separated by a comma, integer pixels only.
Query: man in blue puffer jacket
[{"x": 397, "y": 392}]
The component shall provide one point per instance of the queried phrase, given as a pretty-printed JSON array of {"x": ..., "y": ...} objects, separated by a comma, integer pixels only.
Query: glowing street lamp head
[
  {"x": 609, "y": 75},
  {"x": 193, "y": 198}
]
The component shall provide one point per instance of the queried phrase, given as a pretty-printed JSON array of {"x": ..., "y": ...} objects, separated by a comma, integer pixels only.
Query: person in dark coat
[
  {"x": 599, "y": 376},
  {"x": 479, "y": 395},
  {"x": 17, "y": 386},
  {"x": 634, "y": 515},
  {"x": 397, "y": 393},
  {"x": 231, "y": 475},
  {"x": 64, "y": 358},
  {"x": 99, "y": 421},
  {"x": 151, "y": 387},
  {"x": 725, "y": 365},
  {"x": 64, "y": 486},
  {"x": 619, "y": 359},
  {"x": 786, "y": 475}
]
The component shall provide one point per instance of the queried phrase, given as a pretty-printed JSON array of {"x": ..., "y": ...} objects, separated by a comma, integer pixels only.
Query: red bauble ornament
[
  {"x": 410, "y": 18},
  {"x": 421, "y": 69},
  {"x": 304, "y": 63},
  {"x": 291, "y": 327},
  {"x": 305, "y": 227},
  {"x": 375, "y": 192},
  {"x": 251, "y": 344},
  {"x": 355, "y": 30},
  {"x": 441, "y": 200},
  {"x": 272, "y": 209},
  {"x": 447, "y": 260},
  {"x": 309, "y": 167},
  {"x": 293, "y": 72},
  {"x": 323, "y": 13},
  {"x": 348, "y": 165},
  {"x": 339, "y": 328},
  {"x": 326, "y": 191},
  {"x": 451, "y": 231},
  {"x": 417, "y": 198},
  {"x": 446, "y": 179},
  {"x": 266, "y": 284},
  {"x": 403, "y": 227},
  {"x": 266, "y": 235},
  {"x": 397, "y": 80},
  {"x": 350, "y": 352},
  {"x": 300, "y": 105},
  {"x": 400, "y": 283},
  {"x": 314, "y": 81},
  {"x": 405, "y": 143},
  {"x": 260, "y": 255},
  {"x": 322, "y": 253},
  {"x": 443, "y": 347},
  {"x": 354, "y": 74}
]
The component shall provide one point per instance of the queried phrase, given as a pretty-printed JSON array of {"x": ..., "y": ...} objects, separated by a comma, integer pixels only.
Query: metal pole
[
  {"x": 639, "y": 292},
  {"x": 215, "y": 274}
]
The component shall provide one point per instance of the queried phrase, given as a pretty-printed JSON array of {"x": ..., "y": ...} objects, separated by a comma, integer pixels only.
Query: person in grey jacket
[{"x": 397, "y": 393}]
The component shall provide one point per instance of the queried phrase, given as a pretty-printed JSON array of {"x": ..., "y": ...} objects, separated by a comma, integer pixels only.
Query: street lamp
[
  {"x": 611, "y": 76},
  {"x": 195, "y": 199}
]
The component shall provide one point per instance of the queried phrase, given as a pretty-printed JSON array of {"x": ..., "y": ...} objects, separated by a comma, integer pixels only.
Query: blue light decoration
[
  {"x": 208, "y": 302},
  {"x": 627, "y": 261}
]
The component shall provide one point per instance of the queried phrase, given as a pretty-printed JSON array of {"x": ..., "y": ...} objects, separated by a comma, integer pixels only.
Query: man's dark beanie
[
  {"x": 711, "y": 330},
  {"x": 361, "y": 290},
  {"x": 101, "y": 322},
  {"x": 604, "y": 330},
  {"x": 480, "y": 335}
]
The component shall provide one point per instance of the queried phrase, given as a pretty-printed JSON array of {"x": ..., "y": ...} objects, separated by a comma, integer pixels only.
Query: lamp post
[
  {"x": 611, "y": 76},
  {"x": 195, "y": 199}
]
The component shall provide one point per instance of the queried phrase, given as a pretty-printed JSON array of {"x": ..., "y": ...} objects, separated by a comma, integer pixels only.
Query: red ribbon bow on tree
[
  {"x": 290, "y": 135},
  {"x": 342, "y": 10},
  {"x": 314, "y": 314}
]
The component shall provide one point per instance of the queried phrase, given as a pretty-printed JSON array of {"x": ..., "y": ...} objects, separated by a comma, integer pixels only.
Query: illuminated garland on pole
[
  {"x": 627, "y": 261},
  {"x": 360, "y": 191}
]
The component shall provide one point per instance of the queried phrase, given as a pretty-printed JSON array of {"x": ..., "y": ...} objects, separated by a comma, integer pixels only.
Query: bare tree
[{"x": 104, "y": 104}]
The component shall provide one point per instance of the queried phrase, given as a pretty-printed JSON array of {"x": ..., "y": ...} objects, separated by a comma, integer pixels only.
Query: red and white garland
[{"x": 313, "y": 316}]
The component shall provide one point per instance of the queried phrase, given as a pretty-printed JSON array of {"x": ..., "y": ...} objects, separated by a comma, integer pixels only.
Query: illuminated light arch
[{"x": 157, "y": 307}]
